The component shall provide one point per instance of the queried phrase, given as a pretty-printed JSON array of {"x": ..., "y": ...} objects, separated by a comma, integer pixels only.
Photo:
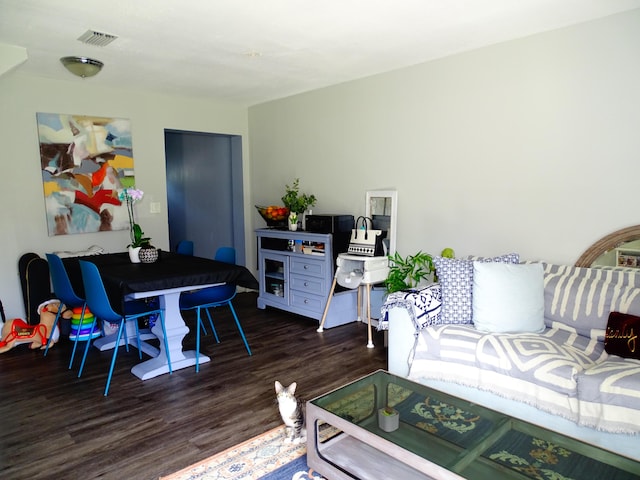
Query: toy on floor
[
  {"x": 17, "y": 331},
  {"x": 82, "y": 327}
]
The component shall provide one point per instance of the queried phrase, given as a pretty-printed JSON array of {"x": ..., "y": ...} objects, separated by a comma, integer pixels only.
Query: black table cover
[{"x": 171, "y": 270}]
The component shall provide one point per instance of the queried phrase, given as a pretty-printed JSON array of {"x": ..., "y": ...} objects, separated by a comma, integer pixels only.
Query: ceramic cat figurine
[{"x": 292, "y": 413}]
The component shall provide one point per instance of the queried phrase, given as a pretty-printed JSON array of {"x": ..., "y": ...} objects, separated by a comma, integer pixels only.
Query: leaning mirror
[
  {"x": 620, "y": 248},
  {"x": 382, "y": 208}
]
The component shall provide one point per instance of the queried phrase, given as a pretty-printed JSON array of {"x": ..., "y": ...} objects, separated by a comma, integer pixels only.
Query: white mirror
[{"x": 382, "y": 208}]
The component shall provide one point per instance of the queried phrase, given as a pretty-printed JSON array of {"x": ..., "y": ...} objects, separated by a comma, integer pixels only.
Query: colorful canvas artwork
[{"x": 85, "y": 162}]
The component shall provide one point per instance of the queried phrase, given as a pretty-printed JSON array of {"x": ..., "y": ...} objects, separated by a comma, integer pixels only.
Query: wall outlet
[{"x": 154, "y": 207}]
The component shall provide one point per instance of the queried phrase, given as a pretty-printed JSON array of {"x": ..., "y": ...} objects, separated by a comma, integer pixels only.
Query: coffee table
[{"x": 439, "y": 437}]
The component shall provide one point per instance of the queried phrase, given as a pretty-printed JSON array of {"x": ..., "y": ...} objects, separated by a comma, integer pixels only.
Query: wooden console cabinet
[{"x": 296, "y": 271}]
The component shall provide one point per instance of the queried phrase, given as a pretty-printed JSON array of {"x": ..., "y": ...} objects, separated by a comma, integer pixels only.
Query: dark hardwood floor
[{"x": 56, "y": 426}]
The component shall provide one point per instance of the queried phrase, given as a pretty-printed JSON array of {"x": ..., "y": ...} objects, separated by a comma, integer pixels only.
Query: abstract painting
[{"x": 85, "y": 162}]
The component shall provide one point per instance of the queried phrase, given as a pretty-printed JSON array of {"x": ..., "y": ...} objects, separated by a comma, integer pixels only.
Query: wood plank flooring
[{"x": 56, "y": 426}]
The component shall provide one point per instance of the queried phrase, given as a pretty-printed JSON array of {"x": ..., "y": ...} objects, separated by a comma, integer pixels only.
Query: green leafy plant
[
  {"x": 137, "y": 237},
  {"x": 295, "y": 201},
  {"x": 407, "y": 272}
]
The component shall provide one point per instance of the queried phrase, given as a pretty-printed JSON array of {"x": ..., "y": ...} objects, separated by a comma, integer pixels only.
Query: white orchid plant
[{"x": 130, "y": 196}]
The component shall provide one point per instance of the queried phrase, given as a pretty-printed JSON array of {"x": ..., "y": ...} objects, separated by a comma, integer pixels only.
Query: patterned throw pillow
[{"x": 455, "y": 275}]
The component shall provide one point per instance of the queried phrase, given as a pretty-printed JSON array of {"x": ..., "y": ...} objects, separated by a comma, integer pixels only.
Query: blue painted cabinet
[{"x": 296, "y": 271}]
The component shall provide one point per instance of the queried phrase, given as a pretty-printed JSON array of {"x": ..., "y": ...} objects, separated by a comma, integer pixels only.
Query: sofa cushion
[
  {"x": 609, "y": 395},
  {"x": 582, "y": 298},
  {"x": 540, "y": 369},
  {"x": 508, "y": 297},
  {"x": 456, "y": 278},
  {"x": 621, "y": 337}
]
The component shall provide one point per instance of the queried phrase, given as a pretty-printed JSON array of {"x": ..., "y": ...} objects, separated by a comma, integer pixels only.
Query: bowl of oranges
[{"x": 275, "y": 216}]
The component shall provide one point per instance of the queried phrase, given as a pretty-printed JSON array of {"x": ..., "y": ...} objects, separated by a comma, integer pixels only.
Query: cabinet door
[{"x": 274, "y": 276}]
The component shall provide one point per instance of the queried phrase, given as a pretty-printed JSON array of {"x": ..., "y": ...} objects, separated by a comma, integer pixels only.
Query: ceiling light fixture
[{"x": 82, "y": 66}]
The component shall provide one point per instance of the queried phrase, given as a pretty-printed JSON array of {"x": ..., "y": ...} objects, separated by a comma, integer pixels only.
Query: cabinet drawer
[
  {"x": 306, "y": 283},
  {"x": 314, "y": 303},
  {"x": 308, "y": 266}
]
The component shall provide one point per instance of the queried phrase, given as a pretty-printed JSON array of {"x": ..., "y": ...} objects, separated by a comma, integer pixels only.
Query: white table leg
[
  {"x": 176, "y": 331},
  {"x": 370, "y": 336},
  {"x": 108, "y": 342}
]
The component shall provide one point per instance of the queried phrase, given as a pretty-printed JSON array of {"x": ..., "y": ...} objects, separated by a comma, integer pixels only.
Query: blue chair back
[
  {"x": 96, "y": 295},
  {"x": 61, "y": 284},
  {"x": 185, "y": 247},
  {"x": 226, "y": 255}
]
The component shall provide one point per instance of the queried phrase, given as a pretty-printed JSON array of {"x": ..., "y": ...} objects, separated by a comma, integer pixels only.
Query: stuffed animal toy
[{"x": 17, "y": 331}]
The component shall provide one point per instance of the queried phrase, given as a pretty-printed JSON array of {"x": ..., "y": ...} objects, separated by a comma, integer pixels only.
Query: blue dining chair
[
  {"x": 63, "y": 291},
  {"x": 98, "y": 303},
  {"x": 185, "y": 247},
  {"x": 212, "y": 297}
]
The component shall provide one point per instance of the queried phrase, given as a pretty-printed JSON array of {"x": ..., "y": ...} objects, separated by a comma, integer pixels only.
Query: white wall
[
  {"x": 22, "y": 211},
  {"x": 530, "y": 146}
]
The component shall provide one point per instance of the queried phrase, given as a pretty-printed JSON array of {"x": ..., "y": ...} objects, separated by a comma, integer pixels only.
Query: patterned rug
[
  {"x": 265, "y": 457},
  {"x": 268, "y": 457}
]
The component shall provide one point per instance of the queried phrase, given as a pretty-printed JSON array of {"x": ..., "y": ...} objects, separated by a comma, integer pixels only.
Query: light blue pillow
[
  {"x": 508, "y": 297},
  {"x": 456, "y": 277}
]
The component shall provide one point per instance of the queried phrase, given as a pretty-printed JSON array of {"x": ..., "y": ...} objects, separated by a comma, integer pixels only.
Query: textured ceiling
[{"x": 251, "y": 51}]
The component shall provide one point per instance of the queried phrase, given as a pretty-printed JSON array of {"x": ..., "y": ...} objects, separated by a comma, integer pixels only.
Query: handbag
[{"x": 365, "y": 241}]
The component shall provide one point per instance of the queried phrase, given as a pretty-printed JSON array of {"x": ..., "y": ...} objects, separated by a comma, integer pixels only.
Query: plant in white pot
[
  {"x": 130, "y": 196},
  {"x": 296, "y": 202},
  {"x": 388, "y": 419}
]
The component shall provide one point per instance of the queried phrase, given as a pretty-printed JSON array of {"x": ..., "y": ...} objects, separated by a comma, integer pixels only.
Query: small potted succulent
[
  {"x": 388, "y": 419},
  {"x": 296, "y": 202}
]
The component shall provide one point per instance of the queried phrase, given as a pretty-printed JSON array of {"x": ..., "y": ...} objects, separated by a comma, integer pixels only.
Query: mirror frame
[
  {"x": 607, "y": 243},
  {"x": 393, "y": 221}
]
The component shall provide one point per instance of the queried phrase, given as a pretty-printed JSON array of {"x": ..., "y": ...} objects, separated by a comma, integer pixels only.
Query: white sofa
[{"x": 571, "y": 386}]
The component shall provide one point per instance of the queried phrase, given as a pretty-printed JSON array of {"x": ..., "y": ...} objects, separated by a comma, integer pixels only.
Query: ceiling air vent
[{"x": 99, "y": 39}]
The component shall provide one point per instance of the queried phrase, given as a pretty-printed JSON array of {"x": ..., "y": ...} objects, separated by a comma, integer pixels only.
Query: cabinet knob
[
  {"x": 306, "y": 301},
  {"x": 306, "y": 284},
  {"x": 306, "y": 267}
]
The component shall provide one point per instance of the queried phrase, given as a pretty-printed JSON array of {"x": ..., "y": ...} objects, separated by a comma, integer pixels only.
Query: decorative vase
[
  {"x": 388, "y": 419},
  {"x": 293, "y": 221},
  {"x": 148, "y": 254},
  {"x": 134, "y": 254}
]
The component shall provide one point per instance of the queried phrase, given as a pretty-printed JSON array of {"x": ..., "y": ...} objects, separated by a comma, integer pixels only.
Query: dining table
[{"x": 164, "y": 280}]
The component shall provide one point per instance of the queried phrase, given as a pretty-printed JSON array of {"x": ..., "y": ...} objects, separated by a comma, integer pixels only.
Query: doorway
[{"x": 205, "y": 192}]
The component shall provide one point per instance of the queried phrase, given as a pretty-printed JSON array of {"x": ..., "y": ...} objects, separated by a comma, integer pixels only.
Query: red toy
[{"x": 18, "y": 331}]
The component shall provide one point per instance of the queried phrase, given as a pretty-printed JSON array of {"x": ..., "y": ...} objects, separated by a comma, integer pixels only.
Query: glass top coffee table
[{"x": 427, "y": 434}]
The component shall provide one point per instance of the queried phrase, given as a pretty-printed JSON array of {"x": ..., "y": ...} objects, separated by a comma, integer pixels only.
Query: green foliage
[
  {"x": 296, "y": 202},
  {"x": 406, "y": 273},
  {"x": 137, "y": 239}
]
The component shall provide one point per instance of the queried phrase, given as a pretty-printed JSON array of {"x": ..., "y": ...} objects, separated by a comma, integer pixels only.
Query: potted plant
[
  {"x": 388, "y": 419},
  {"x": 296, "y": 202},
  {"x": 406, "y": 273},
  {"x": 138, "y": 241}
]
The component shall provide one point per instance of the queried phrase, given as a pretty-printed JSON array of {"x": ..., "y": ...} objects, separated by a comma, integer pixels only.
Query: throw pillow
[
  {"x": 621, "y": 337},
  {"x": 456, "y": 277},
  {"x": 508, "y": 298}
]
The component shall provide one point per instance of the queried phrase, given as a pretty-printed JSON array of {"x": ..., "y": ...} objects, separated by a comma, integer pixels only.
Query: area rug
[
  {"x": 268, "y": 457},
  {"x": 265, "y": 457}
]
